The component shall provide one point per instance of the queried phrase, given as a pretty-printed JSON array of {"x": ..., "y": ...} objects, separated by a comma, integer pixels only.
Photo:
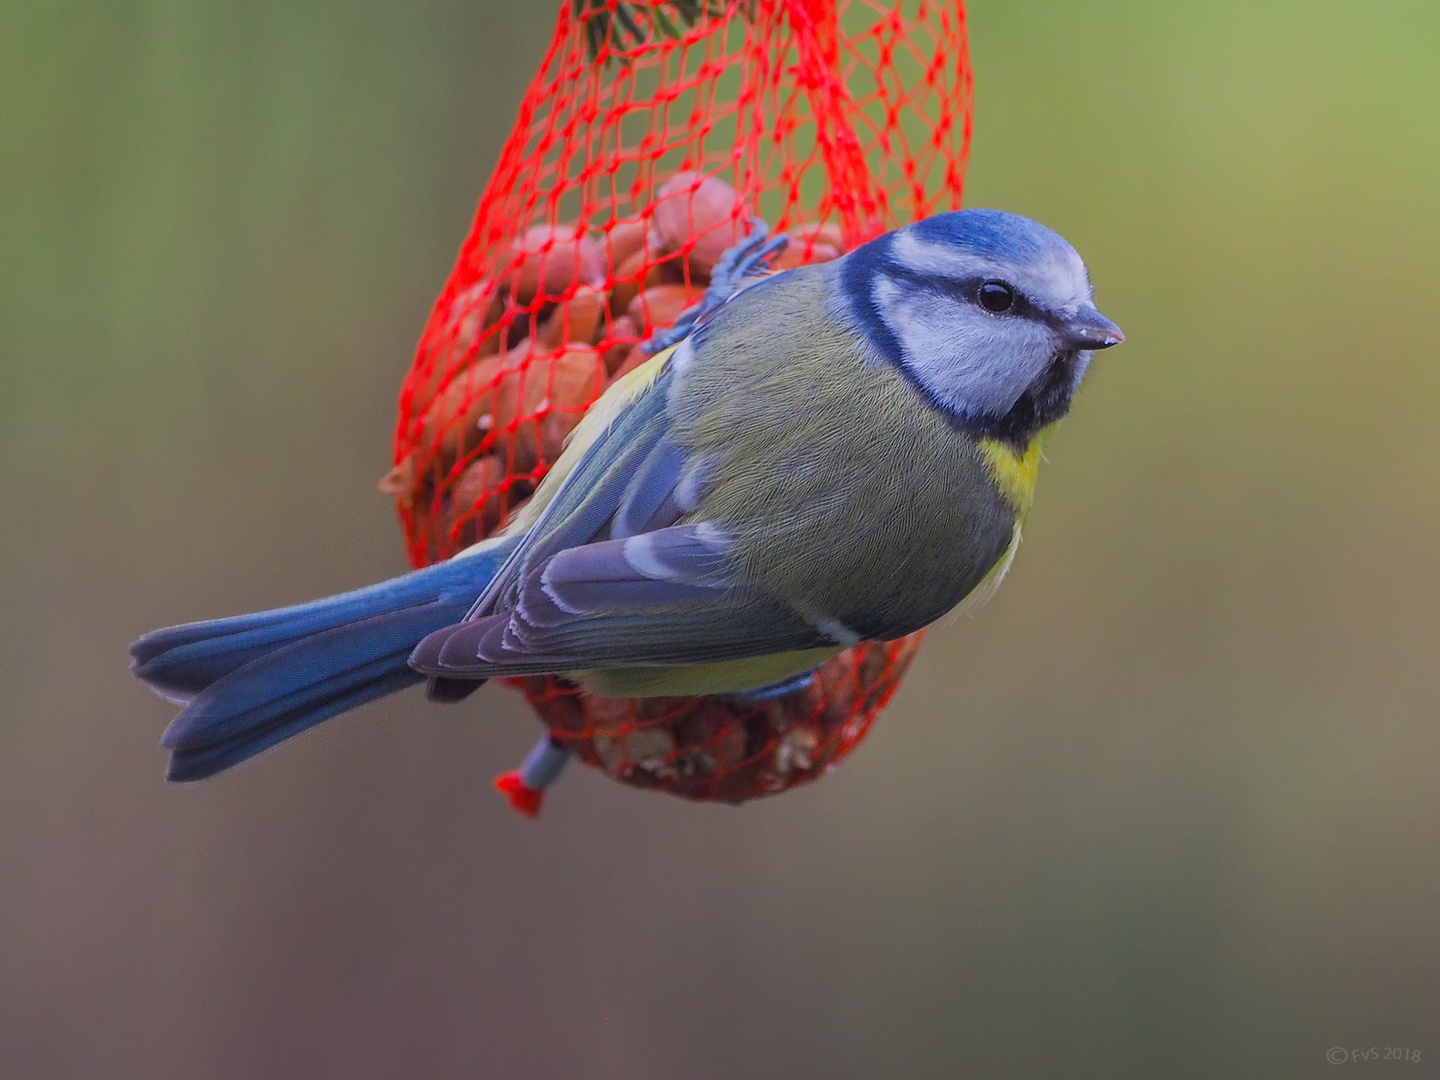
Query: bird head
[{"x": 989, "y": 315}]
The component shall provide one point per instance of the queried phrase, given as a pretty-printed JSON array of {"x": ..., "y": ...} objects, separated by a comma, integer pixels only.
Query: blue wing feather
[
  {"x": 649, "y": 490},
  {"x": 605, "y": 578}
]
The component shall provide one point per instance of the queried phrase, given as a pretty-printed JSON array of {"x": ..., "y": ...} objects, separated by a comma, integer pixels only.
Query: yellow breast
[{"x": 1014, "y": 474}]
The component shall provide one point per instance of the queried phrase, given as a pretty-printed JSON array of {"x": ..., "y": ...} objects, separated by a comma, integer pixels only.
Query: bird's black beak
[{"x": 1088, "y": 329}]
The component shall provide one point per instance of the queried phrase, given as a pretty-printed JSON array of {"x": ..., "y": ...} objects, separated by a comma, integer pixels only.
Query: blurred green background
[{"x": 1166, "y": 808}]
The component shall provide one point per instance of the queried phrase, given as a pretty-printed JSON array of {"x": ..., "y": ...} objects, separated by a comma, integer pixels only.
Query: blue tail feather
[
  {"x": 311, "y": 670},
  {"x": 205, "y": 761},
  {"x": 252, "y": 681},
  {"x": 181, "y": 661}
]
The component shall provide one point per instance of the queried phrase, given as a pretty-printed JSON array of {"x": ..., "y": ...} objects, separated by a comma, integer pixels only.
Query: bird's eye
[{"x": 996, "y": 296}]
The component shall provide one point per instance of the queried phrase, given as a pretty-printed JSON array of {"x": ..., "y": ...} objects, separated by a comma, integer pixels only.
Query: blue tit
[{"x": 843, "y": 451}]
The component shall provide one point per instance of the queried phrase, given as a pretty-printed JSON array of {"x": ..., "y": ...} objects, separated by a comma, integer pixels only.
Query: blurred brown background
[{"x": 1166, "y": 808}]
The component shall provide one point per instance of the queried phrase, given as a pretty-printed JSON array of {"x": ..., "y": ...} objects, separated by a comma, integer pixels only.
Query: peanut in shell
[
  {"x": 699, "y": 216},
  {"x": 623, "y": 337},
  {"x": 465, "y": 334},
  {"x": 577, "y": 319},
  {"x": 540, "y": 398},
  {"x": 621, "y": 241},
  {"x": 480, "y": 500},
  {"x": 548, "y": 260},
  {"x": 659, "y": 307}
]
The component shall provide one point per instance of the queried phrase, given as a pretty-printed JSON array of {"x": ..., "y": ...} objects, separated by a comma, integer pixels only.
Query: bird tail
[{"x": 252, "y": 681}]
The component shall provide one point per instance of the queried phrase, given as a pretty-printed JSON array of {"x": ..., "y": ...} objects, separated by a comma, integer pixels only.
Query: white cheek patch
[{"x": 970, "y": 362}]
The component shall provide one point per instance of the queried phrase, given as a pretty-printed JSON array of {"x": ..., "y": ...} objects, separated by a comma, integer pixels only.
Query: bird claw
[
  {"x": 771, "y": 691},
  {"x": 749, "y": 257}
]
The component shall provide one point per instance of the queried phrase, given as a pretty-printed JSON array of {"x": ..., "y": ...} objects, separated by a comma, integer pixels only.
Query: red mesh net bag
[{"x": 651, "y": 135}]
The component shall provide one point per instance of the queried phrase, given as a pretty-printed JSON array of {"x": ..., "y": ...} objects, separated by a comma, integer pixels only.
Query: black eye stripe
[{"x": 966, "y": 288}]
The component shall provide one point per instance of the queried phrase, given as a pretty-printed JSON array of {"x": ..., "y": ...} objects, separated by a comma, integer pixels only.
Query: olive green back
[{"x": 849, "y": 495}]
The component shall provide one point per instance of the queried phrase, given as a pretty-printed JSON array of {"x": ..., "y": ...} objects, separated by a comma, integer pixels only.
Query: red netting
[{"x": 652, "y": 132}]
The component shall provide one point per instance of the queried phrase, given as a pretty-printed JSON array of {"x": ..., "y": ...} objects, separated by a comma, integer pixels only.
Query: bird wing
[
  {"x": 610, "y": 573},
  {"x": 586, "y": 485}
]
